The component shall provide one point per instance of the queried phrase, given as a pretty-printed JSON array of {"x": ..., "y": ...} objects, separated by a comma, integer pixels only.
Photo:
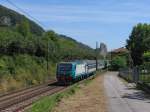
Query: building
[{"x": 103, "y": 50}]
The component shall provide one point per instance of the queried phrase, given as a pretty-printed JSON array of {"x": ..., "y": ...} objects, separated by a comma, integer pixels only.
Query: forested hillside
[
  {"x": 25, "y": 49},
  {"x": 11, "y": 18}
]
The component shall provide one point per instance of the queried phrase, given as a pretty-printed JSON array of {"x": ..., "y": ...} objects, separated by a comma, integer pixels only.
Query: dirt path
[
  {"x": 124, "y": 97},
  {"x": 88, "y": 99}
]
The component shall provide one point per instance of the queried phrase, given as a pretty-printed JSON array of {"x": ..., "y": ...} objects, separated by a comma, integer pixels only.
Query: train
[{"x": 69, "y": 72}]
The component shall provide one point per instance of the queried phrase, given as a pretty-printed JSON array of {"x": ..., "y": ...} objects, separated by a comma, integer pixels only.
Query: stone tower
[{"x": 103, "y": 49}]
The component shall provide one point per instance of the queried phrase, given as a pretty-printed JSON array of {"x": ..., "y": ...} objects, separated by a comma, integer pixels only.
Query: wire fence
[{"x": 138, "y": 75}]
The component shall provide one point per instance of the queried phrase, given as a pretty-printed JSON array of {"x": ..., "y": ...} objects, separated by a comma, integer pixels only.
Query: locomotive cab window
[{"x": 65, "y": 67}]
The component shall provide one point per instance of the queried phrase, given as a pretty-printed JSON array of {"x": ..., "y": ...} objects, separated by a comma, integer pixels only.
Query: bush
[
  {"x": 146, "y": 56},
  {"x": 118, "y": 62},
  {"x": 22, "y": 71}
]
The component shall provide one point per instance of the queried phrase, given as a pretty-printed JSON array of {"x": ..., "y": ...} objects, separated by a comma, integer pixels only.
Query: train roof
[
  {"x": 73, "y": 62},
  {"x": 82, "y": 62}
]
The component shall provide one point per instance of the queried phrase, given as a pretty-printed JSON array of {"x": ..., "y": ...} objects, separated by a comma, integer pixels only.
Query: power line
[{"x": 10, "y": 2}]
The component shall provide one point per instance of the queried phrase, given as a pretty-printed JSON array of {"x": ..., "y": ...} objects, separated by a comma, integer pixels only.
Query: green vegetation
[
  {"x": 49, "y": 102},
  {"x": 25, "y": 49},
  {"x": 13, "y": 18},
  {"x": 21, "y": 71},
  {"x": 118, "y": 62},
  {"x": 138, "y": 43},
  {"x": 146, "y": 56},
  {"x": 145, "y": 78}
]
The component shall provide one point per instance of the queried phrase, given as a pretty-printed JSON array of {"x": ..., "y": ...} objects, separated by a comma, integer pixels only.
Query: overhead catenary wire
[{"x": 24, "y": 12}]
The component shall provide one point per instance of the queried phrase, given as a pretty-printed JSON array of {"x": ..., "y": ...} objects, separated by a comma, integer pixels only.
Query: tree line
[{"x": 20, "y": 40}]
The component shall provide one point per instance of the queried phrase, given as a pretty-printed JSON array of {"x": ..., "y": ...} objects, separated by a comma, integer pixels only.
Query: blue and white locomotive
[{"x": 77, "y": 70}]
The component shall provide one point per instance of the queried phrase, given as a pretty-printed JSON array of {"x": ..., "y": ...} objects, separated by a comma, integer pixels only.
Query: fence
[{"x": 138, "y": 75}]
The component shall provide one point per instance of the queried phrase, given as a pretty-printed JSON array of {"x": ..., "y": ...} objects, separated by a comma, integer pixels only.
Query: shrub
[
  {"x": 23, "y": 70},
  {"x": 118, "y": 62},
  {"x": 146, "y": 56}
]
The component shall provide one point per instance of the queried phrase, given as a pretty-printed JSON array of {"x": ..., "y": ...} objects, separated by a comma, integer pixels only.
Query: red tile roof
[{"x": 120, "y": 50}]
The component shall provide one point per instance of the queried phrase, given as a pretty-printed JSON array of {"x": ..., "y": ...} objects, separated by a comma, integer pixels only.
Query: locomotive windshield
[{"x": 65, "y": 67}]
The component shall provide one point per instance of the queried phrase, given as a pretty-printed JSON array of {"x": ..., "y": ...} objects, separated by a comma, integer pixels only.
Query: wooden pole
[{"x": 96, "y": 56}]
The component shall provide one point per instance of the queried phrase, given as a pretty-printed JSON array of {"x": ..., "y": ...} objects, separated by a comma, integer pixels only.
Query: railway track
[
  {"x": 20, "y": 100},
  {"x": 17, "y": 101},
  {"x": 23, "y": 91}
]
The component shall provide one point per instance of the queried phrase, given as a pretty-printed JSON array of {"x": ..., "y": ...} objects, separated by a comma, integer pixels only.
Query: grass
[
  {"x": 46, "y": 104},
  {"x": 145, "y": 78},
  {"x": 21, "y": 71}
]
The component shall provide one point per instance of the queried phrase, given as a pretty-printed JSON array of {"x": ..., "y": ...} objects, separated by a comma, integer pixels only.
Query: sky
[{"x": 87, "y": 21}]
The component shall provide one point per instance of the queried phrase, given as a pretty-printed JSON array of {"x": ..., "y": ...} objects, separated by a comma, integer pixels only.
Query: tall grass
[{"x": 22, "y": 71}]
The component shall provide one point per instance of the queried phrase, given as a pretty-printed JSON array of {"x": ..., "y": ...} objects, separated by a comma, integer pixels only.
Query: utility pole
[
  {"x": 47, "y": 57},
  {"x": 110, "y": 57},
  {"x": 130, "y": 59},
  {"x": 96, "y": 56}
]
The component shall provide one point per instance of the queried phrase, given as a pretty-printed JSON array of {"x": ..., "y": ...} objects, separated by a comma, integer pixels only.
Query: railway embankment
[{"x": 85, "y": 96}]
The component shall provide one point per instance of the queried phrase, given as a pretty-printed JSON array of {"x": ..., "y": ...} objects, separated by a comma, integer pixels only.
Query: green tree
[
  {"x": 24, "y": 28},
  {"x": 136, "y": 42},
  {"x": 52, "y": 45},
  {"x": 118, "y": 62},
  {"x": 146, "y": 56}
]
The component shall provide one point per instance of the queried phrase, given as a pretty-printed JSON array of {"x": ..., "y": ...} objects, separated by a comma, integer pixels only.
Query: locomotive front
[{"x": 65, "y": 72}]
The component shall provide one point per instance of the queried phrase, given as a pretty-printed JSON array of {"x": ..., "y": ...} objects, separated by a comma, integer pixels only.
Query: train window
[{"x": 65, "y": 67}]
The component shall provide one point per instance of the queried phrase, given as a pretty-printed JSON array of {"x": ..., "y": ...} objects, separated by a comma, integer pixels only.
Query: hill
[
  {"x": 11, "y": 18},
  {"x": 28, "y": 54}
]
